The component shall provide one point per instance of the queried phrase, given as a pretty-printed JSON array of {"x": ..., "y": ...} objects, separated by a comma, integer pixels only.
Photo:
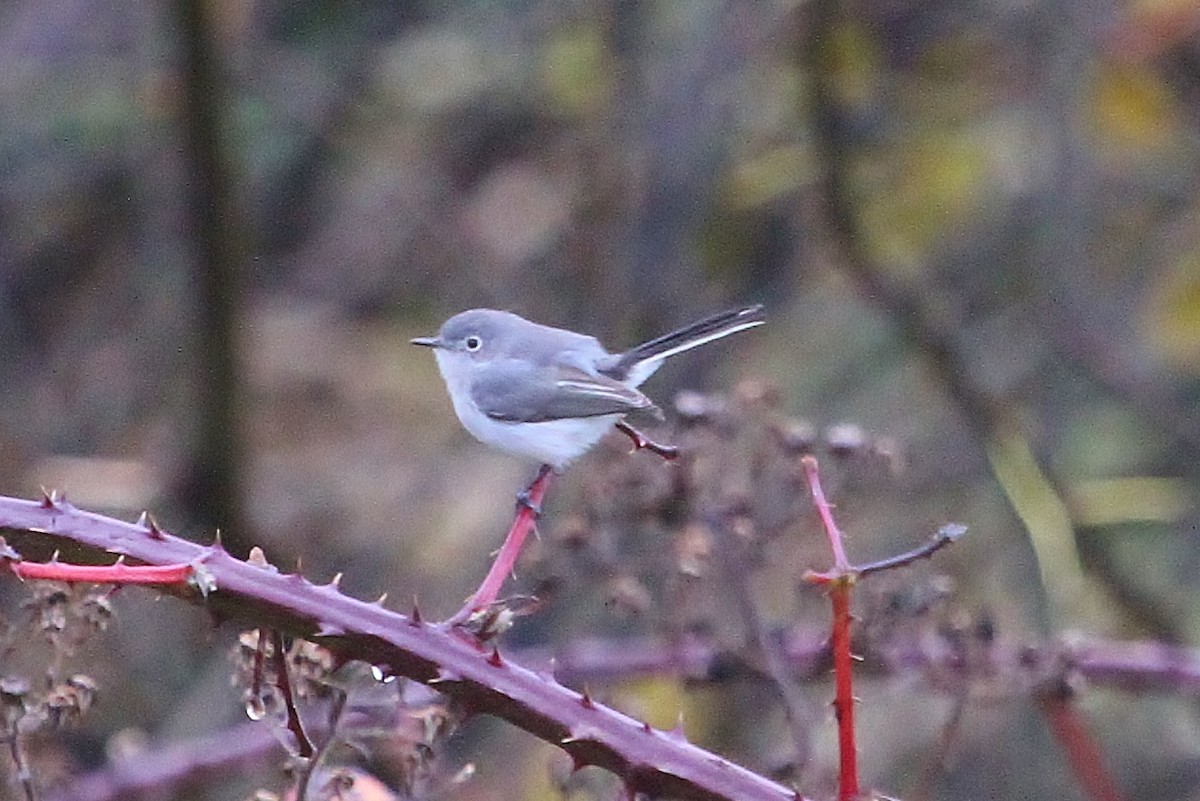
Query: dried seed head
[
  {"x": 693, "y": 549},
  {"x": 51, "y": 604},
  {"x": 96, "y": 610},
  {"x": 312, "y": 668},
  {"x": 628, "y": 596},
  {"x": 13, "y": 692},
  {"x": 845, "y": 439},
  {"x": 795, "y": 437},
  {"x": 758, "y": 392},
  {"x": 67, "y": 702},
  {"x": 573, "y": 532}
]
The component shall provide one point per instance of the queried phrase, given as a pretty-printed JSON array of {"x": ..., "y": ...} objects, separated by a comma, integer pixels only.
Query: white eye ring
[{"x": 473, "y": 343}]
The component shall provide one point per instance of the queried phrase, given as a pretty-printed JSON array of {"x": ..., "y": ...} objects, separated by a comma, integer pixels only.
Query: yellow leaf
[
  {"x": 1132, "y": 109},
  {"x": 1172, "y": 314}
]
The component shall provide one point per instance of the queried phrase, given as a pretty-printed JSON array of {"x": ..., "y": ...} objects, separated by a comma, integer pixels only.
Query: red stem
[
  {"x": 1082, "y": 751},
  {"x": 506, "y": 558},
  {"x": 118, "y": 573},
  {"x": 843, "y": 697},
  {"x": 841, "y": 581}
]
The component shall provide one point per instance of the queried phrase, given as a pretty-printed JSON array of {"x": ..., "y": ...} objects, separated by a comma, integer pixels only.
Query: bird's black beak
[{"x": 428, "y": 342}]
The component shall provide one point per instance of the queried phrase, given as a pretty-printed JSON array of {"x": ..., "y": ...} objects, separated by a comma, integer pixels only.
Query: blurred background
[{"x": 974, "y": 224}]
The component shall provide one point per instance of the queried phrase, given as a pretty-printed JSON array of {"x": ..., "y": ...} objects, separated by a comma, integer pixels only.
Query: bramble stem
[
  {"x": 843, "y": 696},
  {"x": 528, "y": 508},
  {"x": 841, "y": 581}
]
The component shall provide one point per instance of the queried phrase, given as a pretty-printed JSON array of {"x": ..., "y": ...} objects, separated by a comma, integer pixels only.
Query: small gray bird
[{"x": 547, "y": 393}]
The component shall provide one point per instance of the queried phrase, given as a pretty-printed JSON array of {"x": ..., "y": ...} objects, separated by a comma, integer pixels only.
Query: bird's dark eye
[{"x": 473, "y": 343}]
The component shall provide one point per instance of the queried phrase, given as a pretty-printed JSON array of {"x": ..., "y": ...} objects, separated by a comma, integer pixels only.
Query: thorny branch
[{"x": 647, "y": 760}]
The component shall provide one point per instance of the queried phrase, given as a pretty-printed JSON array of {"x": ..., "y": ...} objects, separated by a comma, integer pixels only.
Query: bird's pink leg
[{"x": 529, "y": 506}]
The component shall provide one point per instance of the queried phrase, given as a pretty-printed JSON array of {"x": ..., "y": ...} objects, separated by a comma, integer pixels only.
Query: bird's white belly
[{"x": 553, "y": 442}]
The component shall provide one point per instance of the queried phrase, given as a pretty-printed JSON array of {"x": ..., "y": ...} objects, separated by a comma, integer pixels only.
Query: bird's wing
[{"x": 519, "y": 392}]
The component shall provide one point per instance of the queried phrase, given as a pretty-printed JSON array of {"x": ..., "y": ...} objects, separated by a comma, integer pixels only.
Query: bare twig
[
  {"x": 776, "y": 664},
  {"x": 17, "y": 754},
  {"x": 947, "y": 534},
  {"x": 335, "y": 714},
  {"x": 304, "y": 746},
  {"x": 642, "y": 442}
]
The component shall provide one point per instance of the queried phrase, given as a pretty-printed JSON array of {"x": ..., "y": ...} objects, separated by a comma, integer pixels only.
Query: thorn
[
  {"x": 49, "y": 498},
  {"x": 576, "y": 736},
  {"x": 382, "y": 599},
  {"x": 147, "y": 521},
  {"x": 858, "y": 657},
  {"x": 120, "y": 560},
  {"x": 495, "y": 660},
  {"x": 677, "y": 732},
  {"x": 258, "y": 557},
  {"x": 54, "y": 556},
  {"x": 586, "y": 701},
  {"x": 336, "y": 581},
  {"x": 646, "y": 727},
  {"x": 217, "y": 545},
  {"x": 330, "y": 630},
  {"x": 443, "y": 677},
  {"x": 299, "y": 565},
  {"x": 415, "y": 618}
]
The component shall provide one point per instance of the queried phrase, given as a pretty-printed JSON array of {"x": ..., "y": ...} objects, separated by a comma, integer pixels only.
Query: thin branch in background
[
  {"x": 170, "y": 771},
  {"x": 12, "y": 697},
  {"x": 935, "y": 764},
  {"x": 316, "y": 758},
  {"x": 213, "y": 482},
  {"x": 797, "y": 710}
]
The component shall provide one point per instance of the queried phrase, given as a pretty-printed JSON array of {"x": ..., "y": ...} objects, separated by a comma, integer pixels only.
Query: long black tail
[{"x": 694, "y": 335}]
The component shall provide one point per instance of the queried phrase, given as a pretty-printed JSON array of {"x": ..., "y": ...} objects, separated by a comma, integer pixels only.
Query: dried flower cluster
[
  {"x": 364, "y": 725},
  {"x": 666, "y": 538},
  {"x": 38, "y": 689}
]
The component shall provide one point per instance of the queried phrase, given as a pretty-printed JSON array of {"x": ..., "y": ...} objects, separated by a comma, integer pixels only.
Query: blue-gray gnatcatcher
[{"x": 547, "y": 393}]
